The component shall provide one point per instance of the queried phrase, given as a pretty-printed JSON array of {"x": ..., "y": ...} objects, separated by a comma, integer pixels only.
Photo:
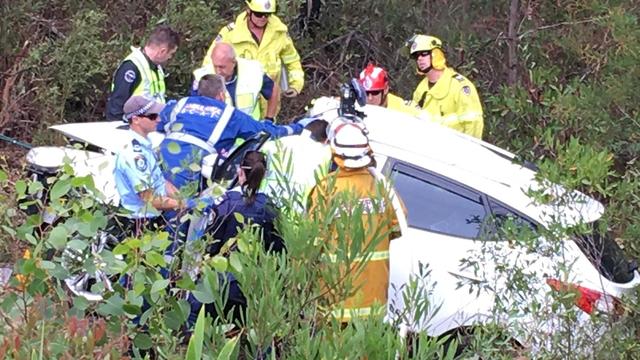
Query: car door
[{"x": 445, "y": 219}]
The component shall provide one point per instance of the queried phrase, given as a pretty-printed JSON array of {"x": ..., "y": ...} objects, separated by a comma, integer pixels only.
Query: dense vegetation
[{"x": 558, "y": 83}]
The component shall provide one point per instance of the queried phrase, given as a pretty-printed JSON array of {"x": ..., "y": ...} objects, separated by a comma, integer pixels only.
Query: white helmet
[{"x": 349, "y": 144}]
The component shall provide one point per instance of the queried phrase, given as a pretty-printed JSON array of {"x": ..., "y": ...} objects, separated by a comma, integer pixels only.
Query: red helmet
[{"x": 374, "y": 78}]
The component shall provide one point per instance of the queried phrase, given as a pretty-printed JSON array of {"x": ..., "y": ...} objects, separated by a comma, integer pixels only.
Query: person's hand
[{"x": 290, "y": 92}]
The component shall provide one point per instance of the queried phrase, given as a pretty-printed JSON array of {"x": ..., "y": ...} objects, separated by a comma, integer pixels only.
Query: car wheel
[{"x": 81, "y": 282}]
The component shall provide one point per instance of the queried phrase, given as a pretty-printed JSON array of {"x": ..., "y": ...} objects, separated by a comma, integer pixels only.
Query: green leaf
[
  {"x": 3, "y": 176},
  {"x": 77, "y": 244},
  {"x": 173, "y": 148},
  {"x": 132, "y": 309},
  {"x": 174, "y": 319},
  {"x": 219, "y": 263},
  {"x": 239, "y": 217},
  {"x": 112, "y": 307},
  {"x": 159, "y": 285},
  {"x": 185, "y": 283},
  {"x": 143, "y": 341},
  {"x": 235, "y": 262},
  {"x": 59, "y": 189},
  {"x": 58, "y": 237},
  {"x": 227, "y": 349},
  {"x": 155, "y": 259},
  {"x": 120, "y": 249},
  {"x": 194, "y": 351},
  {"x": 21, "y": 187}
]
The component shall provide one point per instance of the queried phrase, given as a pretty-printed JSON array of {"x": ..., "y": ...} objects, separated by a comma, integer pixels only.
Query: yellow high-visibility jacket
[
  {"x": 453, "y": 101},
  {"x": 275, "y": 50},
  {"x": 397, "y": 103},
  {"x": 379, "y": 217}
]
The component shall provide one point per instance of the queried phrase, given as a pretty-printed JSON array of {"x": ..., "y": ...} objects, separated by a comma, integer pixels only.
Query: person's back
[
  {"x": 355, "y": 186},
  {"x": 197, "y": 126}
]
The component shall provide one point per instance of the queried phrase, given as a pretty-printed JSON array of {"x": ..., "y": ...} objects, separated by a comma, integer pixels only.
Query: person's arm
[
  {"x": 160, "y": 202},
  {"x": 165, "y": 116},
  {"x": 291, "y": 61},
  {"x": 470, "y": 110},
  {"x": 172, "y": 190},
  {"x": 125, "y": 80},
  {"x": 248, "y": 126},
  {"x": 271, "y": 92}
]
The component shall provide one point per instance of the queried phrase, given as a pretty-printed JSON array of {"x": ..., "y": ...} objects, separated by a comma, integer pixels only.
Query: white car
[{"x": 454, "y": 188}]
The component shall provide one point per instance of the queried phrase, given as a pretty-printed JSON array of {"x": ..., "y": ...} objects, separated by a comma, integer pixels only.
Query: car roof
[{"x": 466, "y": 160}]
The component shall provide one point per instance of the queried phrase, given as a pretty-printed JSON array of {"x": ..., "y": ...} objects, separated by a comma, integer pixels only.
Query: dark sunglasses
[
  {"x": 260, "y": 14},
  {"x": 152, "y": 117},
  {"x": 374, "y": 92},
  {"x": 421, "y": 54}
]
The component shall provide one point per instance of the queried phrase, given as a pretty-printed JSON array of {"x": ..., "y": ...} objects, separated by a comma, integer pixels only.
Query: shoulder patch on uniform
[
  {"x": 458, "y": 77},
  {"x": 466, "y": 90},
  {"x": 129, "y": 76},
  {"x": 141, "y": 162},
  {"x": 136, "y": 146}
]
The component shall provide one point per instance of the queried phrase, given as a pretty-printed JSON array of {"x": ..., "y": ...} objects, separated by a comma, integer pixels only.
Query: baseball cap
[{"x": 140, "y": 105}]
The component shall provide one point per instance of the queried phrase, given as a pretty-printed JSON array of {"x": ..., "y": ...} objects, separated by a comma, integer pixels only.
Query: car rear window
[{"x": 605, "y": 254}]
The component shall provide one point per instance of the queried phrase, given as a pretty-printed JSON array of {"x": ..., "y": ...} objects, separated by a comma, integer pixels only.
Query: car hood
[{"x": 110, "y": 136}]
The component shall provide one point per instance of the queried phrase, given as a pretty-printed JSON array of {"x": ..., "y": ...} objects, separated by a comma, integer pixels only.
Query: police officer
[
  {"x": 141, "y": 72},
  {"x": 245, "y": 81},
  {"x": 200, "y": 125},
  {"x": 143, "y": 190},
  {"x": 375, "y": 81},
  {"x": 449, "y": 97},
  {"x": 259, "y": 34}
]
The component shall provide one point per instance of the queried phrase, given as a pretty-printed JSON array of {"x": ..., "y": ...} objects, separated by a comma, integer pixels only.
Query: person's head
[
  {"x": 142, "y": 114},
  {"x": 375, "y": 82},
  {"x": 258, "y": 11},
  {"x": 318, "y": 130},
  {"x": 350, "y": 145},
  {"x": 427, "y": 52},
  {"x": 162, "y": 44},
  {"x": 212, "y": 86},
  {"x": 251, "y": 172},
  {"x": 223, "y": 58}
]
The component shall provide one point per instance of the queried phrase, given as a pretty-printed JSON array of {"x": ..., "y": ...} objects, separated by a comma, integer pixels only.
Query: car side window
[
  {"x": 506, "y": 222},
  {"x": 435, "y": 204}
]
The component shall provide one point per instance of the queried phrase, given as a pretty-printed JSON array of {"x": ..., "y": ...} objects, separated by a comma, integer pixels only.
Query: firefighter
[
  {"x": 375, "y": 81},
  {"x": 259, "y": 34},
  {"x": 357, "y": 179},
  {"x": 245, "y": 81},
  {"x": 141, "y": 72},
  {"x": 450, "y": 98}
]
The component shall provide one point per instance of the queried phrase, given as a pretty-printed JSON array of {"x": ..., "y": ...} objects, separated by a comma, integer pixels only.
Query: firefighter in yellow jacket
[
  {"x": 357, "y": 180},
  {"x": 258, "y": 34},
  {"x": 450, "y": 98}
]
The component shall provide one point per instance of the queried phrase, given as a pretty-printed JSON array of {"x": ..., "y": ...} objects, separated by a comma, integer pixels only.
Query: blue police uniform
[
  {"x": 197, "y": 126},
  {"x": 137, "y": 170}
]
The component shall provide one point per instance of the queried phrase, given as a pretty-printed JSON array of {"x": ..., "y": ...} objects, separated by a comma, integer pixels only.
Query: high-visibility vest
[
  {"x": 248, "y": 85},
  {"x": 152, "y": 81},
  {"x": 452, "y": 101}
]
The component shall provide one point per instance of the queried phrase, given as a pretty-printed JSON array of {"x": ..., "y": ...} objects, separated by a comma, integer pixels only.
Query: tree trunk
[{"x": 512, "y": 44}]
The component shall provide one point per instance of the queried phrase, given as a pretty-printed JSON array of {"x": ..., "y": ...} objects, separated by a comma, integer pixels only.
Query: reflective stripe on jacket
[
  {"x": 453, "y": 102},
  {"x": 379, "y": 219},
  {"x": 275, "y": 49},
  {"x": 152, "y": 81},
  {"x": 248, "y": 85}
]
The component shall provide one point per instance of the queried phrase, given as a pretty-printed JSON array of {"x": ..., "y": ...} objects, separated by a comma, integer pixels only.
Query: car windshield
[{"x": 605, "y": 254}]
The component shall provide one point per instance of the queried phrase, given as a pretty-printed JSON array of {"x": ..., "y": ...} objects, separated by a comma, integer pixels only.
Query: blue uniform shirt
[
  {"x": 196, "y": 118},
  {"x": 137, "y": 170}
]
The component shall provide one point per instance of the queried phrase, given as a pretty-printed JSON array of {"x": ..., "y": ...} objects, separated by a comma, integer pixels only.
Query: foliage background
[{"x": 557, "y": 79}]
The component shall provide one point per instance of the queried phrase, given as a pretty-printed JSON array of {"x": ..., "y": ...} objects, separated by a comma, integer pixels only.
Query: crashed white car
[{"x": 457, "y": 190}]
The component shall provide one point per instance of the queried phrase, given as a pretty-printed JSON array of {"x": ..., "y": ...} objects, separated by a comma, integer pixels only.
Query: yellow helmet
[
  {"x": 419, "y": 43},
  {"x": 262, "y": 6}
]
